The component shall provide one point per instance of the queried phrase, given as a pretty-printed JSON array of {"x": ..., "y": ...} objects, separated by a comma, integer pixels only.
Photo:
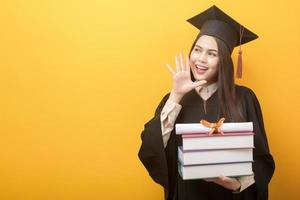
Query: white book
[
  {"x": 191, "y": 128},
  {"x": 217, "y": 141},
  {"x": 215, "y": 156},
  {"x": 213, "y": 171}
]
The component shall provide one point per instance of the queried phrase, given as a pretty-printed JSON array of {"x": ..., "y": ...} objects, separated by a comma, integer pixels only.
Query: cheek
[
  {"x": 214, "y": 64},
  {"x": 214, "y": 67},
  {"x": 192, "y": 58}
]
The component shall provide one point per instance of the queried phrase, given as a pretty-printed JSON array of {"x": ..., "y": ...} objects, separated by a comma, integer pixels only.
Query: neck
[
  {"x": 207, "y": 90},
  {"x": 206, "y": 85}
]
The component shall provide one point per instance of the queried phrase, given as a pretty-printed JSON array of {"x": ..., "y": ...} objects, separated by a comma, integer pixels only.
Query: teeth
[{"x": 201, "y": 67}]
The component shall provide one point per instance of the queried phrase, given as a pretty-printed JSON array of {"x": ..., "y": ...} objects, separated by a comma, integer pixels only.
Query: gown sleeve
[
  {"x": 263, "y": 165},
  {"x": 168, "y": 117},
  {"x": 152, "y": 152}
]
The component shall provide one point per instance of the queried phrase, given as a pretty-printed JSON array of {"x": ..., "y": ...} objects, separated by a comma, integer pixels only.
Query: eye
[
  {"x": 197, "y": 49},
  {"x": 212, "y": 54}
]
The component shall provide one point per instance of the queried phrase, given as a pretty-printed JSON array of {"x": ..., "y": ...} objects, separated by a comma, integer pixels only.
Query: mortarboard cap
[{"x": 214, "y": 22}]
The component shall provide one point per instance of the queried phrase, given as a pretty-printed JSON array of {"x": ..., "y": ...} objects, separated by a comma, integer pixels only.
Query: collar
[{"x": 206, "y": 91}]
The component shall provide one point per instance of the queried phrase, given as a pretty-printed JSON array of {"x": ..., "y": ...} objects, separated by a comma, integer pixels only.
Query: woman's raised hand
[{"x": 182, "y": 82}]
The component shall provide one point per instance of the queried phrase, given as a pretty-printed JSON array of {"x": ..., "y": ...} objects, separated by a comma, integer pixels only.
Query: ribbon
[{"x": 215, "y": 127}]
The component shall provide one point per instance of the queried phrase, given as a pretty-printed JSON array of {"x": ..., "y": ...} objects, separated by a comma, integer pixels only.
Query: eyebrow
[{"x": 207, "y": 49}]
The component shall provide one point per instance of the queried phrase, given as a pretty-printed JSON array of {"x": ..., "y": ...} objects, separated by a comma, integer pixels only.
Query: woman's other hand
[{"x": 226, "y": 182}]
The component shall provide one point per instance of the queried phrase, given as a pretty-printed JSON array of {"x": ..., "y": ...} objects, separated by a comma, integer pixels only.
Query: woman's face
[{"x": 204, "y": 59}]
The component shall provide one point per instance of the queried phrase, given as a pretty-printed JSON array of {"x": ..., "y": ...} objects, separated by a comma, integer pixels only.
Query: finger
[
  {"x": 177, "y": 64},
  {"x": 225, "y": 179},
  {"x": 187, "y": 63},
  {"x": 181, "y": 62},
  {"x": 216, "y": 181},
  {"x": 170, "y": 69},
  {"x": 210, "y": 179}
]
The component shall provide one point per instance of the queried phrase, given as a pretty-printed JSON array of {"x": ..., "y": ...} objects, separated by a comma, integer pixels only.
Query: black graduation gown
[{"x": 161, "y": 163}]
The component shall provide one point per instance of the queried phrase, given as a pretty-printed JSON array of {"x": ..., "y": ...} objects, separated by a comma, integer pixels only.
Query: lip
[{"x": 201, "y": 67}]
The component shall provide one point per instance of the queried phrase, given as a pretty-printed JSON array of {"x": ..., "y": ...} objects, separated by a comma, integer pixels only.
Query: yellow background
[{"x": 78, "y": 79}]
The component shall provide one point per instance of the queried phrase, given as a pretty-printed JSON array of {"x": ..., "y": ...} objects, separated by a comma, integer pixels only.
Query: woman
[{"x": 203, "y": 88}]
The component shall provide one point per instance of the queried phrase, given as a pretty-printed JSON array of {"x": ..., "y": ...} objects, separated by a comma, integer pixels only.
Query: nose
[{"x": 202, "y": 57}]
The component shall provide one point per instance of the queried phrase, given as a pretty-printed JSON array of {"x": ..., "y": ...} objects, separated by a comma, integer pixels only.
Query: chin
[
  {"x": 199, "y": 77},
  {"x": 206, "y": 76}
]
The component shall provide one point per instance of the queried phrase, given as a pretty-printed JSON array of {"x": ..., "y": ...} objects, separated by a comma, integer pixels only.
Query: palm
[
  {"x": 227, "y": 182},
  {"x": 182, "y": 82}
]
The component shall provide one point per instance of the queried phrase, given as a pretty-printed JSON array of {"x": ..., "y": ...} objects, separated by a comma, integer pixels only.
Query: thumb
[
  {"x": 199, "y": 83},
  {"x": 224, "y": 178}
]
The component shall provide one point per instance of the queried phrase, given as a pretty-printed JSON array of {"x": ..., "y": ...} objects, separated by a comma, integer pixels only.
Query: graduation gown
[{"x": 161, "y": 163}]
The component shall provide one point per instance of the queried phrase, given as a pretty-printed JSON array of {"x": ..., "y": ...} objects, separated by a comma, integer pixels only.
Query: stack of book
[{"x": 207, "y": 156}]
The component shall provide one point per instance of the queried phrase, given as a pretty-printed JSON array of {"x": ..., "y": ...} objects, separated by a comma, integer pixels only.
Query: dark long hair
[{"x": 230, "y": 102}]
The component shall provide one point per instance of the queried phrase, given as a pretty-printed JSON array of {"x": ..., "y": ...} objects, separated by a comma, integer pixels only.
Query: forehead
[{"x": 207, "y": 42}]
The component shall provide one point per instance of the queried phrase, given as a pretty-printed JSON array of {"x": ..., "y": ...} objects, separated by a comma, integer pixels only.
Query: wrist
[{"x": 175, "y": 97}]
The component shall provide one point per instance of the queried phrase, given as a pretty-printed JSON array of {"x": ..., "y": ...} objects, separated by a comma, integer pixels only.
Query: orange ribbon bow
[{"x": 215, "y": 127}]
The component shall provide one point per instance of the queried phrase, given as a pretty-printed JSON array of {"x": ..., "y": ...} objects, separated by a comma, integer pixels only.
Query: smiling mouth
[{"x": 200, "y": 67}]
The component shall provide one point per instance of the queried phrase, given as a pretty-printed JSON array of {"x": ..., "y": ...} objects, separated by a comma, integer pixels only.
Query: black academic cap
[{"x": 215, "y": 22}]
